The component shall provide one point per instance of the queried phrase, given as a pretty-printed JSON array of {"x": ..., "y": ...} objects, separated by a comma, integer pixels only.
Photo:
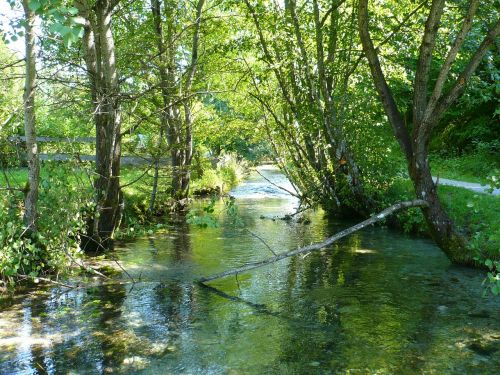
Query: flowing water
[{"x": 376, "y": 302}]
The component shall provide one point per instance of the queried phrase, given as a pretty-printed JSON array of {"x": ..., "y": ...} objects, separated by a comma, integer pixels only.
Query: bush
[
  {"x": 62, "y": 207},
  {"x": 228, "y": 174}
]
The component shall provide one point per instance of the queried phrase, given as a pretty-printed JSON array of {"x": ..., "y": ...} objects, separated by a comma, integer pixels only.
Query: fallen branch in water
[
  {"x": 318, "y": 246},
  {"x": 37, "y": 279},
  {"x": 299, "y": 211},
  {"x": 278, "y": 186},
  {"x": 82, "y": 265},
  {"x": 58, "y": 283},
  {"x": 262, "y": 240}
]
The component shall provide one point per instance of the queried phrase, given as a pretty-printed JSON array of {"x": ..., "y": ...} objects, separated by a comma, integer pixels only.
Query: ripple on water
[{"x": 376, "y": 302}]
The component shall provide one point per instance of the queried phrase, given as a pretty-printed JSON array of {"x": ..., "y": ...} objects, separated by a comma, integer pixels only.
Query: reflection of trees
[
  {"x": 100, "y": 345},
  {"x": 39, "y": 362},
  {"x": 181, "y": 244},
  {"x": 316, "y": 317},
  {"x": 72, "y": 331},
  {"x": 114, "y": 347},
  {"x": 351, "y": 306},
  {"x": 91, "y": 322},
  {"x": 175, "y": 299},
  {"x": 339, "y": 309}
]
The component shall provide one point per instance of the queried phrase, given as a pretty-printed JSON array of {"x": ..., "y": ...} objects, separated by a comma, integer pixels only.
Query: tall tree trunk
[
  {"x": 100, "y": 59},
  {"x": 187, "y": 154},
  {"x": 168, "y": 113},
  {"x": 176, "y": 116},
  {"x": 182, "y": 178},
  {"x": 156, "y": 176},
  {"x": 426, "y": 115},
  {"x": 30, "y": 203}
]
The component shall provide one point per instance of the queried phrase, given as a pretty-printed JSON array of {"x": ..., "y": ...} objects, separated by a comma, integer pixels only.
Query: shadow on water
[{"x": 376, "y": 302}]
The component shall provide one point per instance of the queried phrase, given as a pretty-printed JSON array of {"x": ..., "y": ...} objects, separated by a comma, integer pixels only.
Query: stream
[{"x": 376, "y": 302}]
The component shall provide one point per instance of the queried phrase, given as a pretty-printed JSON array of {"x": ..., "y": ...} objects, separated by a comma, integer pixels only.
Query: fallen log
[{"x": 318, "y": 246}]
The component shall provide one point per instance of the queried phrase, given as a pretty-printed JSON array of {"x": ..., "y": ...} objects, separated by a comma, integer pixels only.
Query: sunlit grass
[
  {"x": 476, "y": 215},
  {"x": 471, "y": 168}
]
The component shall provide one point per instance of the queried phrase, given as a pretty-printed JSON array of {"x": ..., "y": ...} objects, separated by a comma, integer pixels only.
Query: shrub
[{"x": 62, "y": 205}]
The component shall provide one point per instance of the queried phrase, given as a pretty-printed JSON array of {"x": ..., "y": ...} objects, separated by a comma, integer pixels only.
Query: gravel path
[{"x": 467, "y": 185}]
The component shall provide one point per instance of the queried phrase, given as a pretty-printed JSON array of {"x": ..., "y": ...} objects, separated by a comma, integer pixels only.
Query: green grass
[
  {"x": 137, "y": 183},
  {"x": 18, "y": 176},
  {"x": 471, "y": 168},
  {"x": 476, "y": 215}
]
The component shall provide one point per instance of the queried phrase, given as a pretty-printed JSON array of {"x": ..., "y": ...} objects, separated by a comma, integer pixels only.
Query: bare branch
[{"x": 321, "y": 245}]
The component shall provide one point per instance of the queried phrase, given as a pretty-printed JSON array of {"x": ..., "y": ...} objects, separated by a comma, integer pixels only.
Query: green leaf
[
  {"x": 495, "y": 289},
  {"x": 77, "y": 32},
  {"x": 56, "y": 28},
  {"x": 65, "y": 30},
  {"x": 34, "y": 5}
]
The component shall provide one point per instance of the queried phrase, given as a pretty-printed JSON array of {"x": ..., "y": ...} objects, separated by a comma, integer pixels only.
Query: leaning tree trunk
[
  {"x": 100, "y": 59},
  {"x": 426, "y": 113},
  {"x": 311, "y": 124},
  {"x": 30, "y": 202},
  {"x": 441, "y": 226}
]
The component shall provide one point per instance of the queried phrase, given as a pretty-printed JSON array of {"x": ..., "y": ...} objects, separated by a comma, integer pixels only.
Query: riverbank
[
  {"x": 476, "y": 214},
  {"x": 65, "y": 202},
  {"x": 475, "y": 167}
]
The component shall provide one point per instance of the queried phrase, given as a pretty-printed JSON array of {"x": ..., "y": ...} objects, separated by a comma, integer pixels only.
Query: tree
[
  {"x": 176, "y": 84},
  {"x": 31, "y": 193},
  {"x": 100, "y": 59},
  {"x": 311, "y": 55},
  {"x": 428, "y": 107}
]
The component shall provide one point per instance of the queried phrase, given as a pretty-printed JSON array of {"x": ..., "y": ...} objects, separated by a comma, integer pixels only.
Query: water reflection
[{"x": 377, "y": 302}]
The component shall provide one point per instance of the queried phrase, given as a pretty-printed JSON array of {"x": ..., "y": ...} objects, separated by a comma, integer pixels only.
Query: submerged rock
[{"x": 486, "y": 348}]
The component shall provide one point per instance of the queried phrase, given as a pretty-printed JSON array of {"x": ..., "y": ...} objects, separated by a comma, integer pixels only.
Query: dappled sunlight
[{"x": 220, "y": 187}]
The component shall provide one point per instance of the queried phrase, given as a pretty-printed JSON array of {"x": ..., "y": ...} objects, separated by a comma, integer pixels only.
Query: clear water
[{"x": 376, "y": 303}]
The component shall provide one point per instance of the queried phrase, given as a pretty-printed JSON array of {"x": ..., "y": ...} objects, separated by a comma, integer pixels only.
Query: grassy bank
[
  {"x": 477, "y": 215},
  {"x": 137, "y": 183},
  {"x": 474, "y": 167},
  {"x": 66, "y": 201}
]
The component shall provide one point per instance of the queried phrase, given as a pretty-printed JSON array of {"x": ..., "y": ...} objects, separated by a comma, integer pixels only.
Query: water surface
[{"x": 376, "y": 302}]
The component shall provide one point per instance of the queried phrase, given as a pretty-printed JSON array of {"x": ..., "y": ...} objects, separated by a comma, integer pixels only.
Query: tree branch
[
  {"x": 424, "y": 61},
  {"x": 450, "y": 58},
  {"x": 460, "y": 84},
  {"x": 385, "y": 93},
  {"x": 318, "y": 246}
]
